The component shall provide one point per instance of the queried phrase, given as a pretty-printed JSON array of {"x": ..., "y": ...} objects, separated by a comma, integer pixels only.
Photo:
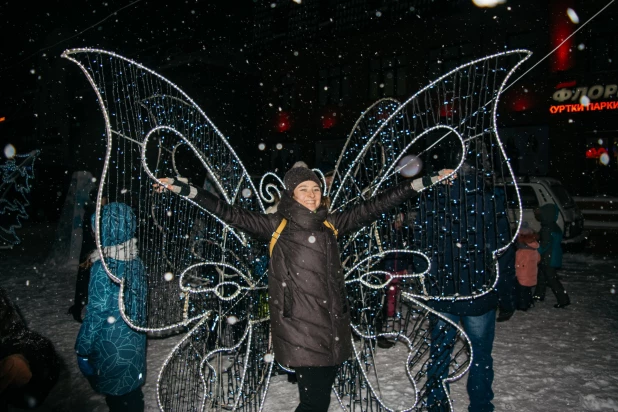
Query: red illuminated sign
[{"x": 577, "y": 108}]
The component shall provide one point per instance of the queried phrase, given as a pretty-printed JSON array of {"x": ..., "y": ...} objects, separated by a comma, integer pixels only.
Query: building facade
[{"x": 327, "y": 60}]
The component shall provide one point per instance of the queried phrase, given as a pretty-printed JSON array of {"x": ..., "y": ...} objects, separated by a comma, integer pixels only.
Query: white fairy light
[
  {"x": 584, "y": 100},
  {"x": 604, "y": 159},
  {"x": 572, "y": 15},
  {"x": 487, "y": 3},
  {"x": 9, "y": 151}
]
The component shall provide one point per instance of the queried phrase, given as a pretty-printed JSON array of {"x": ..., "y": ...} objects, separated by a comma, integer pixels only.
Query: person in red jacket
[{"x": 527, "y": 259}]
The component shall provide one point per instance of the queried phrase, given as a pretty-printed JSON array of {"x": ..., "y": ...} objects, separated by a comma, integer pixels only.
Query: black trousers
[
  {"x": 524, "y": 296},
  {"x": 129, "y": 402},
  {"x": 549, "y": 277},
  {"x": 315, "y": 383}
]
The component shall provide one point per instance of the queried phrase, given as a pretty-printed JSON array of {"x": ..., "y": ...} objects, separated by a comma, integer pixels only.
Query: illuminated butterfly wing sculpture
[
  {"x": 205, "y": 276},
  {"x": 447, "y": 237},
  {"x": 199, "y": 272}
]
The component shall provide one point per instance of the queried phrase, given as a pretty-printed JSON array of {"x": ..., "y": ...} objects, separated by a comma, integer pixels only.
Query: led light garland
[
  {"x": 381, "y": 136},
  {"x": 15, "y": 179}
]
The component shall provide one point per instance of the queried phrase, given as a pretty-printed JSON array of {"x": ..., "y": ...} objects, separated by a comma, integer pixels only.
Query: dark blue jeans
[{"x": 481, "y": 331}]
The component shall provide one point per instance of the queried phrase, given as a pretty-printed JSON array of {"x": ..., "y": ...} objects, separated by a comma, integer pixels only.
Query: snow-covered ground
[{"x": 545, "y": 359}]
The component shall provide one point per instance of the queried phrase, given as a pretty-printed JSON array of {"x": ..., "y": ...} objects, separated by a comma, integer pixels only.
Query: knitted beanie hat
[{"x": 296, "y": 176}]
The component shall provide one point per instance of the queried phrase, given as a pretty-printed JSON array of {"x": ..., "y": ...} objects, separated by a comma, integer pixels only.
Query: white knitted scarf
[{"x": 124, "y": 251}]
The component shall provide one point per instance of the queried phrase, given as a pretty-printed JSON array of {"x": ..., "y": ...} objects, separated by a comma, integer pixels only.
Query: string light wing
[
  {"x": 199, "y": 272},
  {"x": 447, "y": 235}
]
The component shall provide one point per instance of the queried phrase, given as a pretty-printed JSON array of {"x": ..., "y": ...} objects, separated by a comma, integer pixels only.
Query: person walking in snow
[
  {"x": 551, "y": 255},
  {"x": 109, "y": 353},
  {"x": 527, "y": 259},
  {"x": 309, "y": 311}
]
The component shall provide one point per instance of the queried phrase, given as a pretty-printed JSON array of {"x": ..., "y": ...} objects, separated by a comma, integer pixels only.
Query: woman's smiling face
[{"x": 308, "y": 194}]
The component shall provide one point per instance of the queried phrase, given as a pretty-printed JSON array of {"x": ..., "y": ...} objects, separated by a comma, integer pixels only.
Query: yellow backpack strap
[
  {"x": 276, "y": 235},
  {"x": 331, "y": 227}
]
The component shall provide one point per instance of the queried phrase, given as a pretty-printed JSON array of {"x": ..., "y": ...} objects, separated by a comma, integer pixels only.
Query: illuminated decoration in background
[
  {"x": 329, "y": 120},
  {"x": 16, "y": 173},
  {"x": 560, "y": 27},
  {"x": 283, "y": 122},
  {"x": 211, "y": 279},
  {"x": 595, "y": 152},
  {"x": 521, "y": 98}
]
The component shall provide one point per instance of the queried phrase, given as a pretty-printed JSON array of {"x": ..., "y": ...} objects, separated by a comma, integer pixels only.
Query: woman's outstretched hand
[
  {"x": 166, "y": 184},
  {"x": 445, "y": 172},
  {"x": 179, "y": 185}
]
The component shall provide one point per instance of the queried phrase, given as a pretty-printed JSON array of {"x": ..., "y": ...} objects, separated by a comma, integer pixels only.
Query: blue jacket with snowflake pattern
[{"x": 117, "y": 352}]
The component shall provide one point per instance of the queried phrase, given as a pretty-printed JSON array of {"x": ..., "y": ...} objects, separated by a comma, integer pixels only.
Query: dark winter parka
[
  {"x": 448, "y": 215},
  {"x": 550, "y": 236},
  {"x": 309, "y": 311},
  {"x": 16, "y": 338}
]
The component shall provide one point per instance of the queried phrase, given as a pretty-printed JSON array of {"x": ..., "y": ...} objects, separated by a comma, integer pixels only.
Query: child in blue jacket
[
  {"x": 551, "y": 255},
  {"x": 111, "y": 354}
]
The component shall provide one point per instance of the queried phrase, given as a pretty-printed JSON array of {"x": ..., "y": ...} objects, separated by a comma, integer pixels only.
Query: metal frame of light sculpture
[{"x": 358, "y": 267}]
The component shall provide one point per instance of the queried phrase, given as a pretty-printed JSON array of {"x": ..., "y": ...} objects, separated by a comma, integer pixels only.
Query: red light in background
[
  {"x": 329, "y": 120},
  {"x": 522, "y": 103},
  {"x": 283, "y": 122},
  {"x": 595, "y": 153},
  {"x": 2, "y": 119},
  {"x": 521, "y": 98},
  {"x": 561, "y": 27}
]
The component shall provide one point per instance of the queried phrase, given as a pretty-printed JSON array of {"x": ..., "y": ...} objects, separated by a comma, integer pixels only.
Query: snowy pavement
[{"x": 545, "y": 359}]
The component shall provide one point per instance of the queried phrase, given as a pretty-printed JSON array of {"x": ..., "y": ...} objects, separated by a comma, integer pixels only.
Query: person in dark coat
[
  {"x": 551, "y": 255},
  {"x": 507, "y": 281},
  {"x": 111, "y": 354},
  {"x": 309, "y": 311},
  {"x": 88, "y": 245},
  {"x": 29, "y": 365},
  {"x": 460, "y": 248}
]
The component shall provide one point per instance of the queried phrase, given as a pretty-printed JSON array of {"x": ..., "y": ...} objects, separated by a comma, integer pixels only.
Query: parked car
[{"x": 538, "y": 191}]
